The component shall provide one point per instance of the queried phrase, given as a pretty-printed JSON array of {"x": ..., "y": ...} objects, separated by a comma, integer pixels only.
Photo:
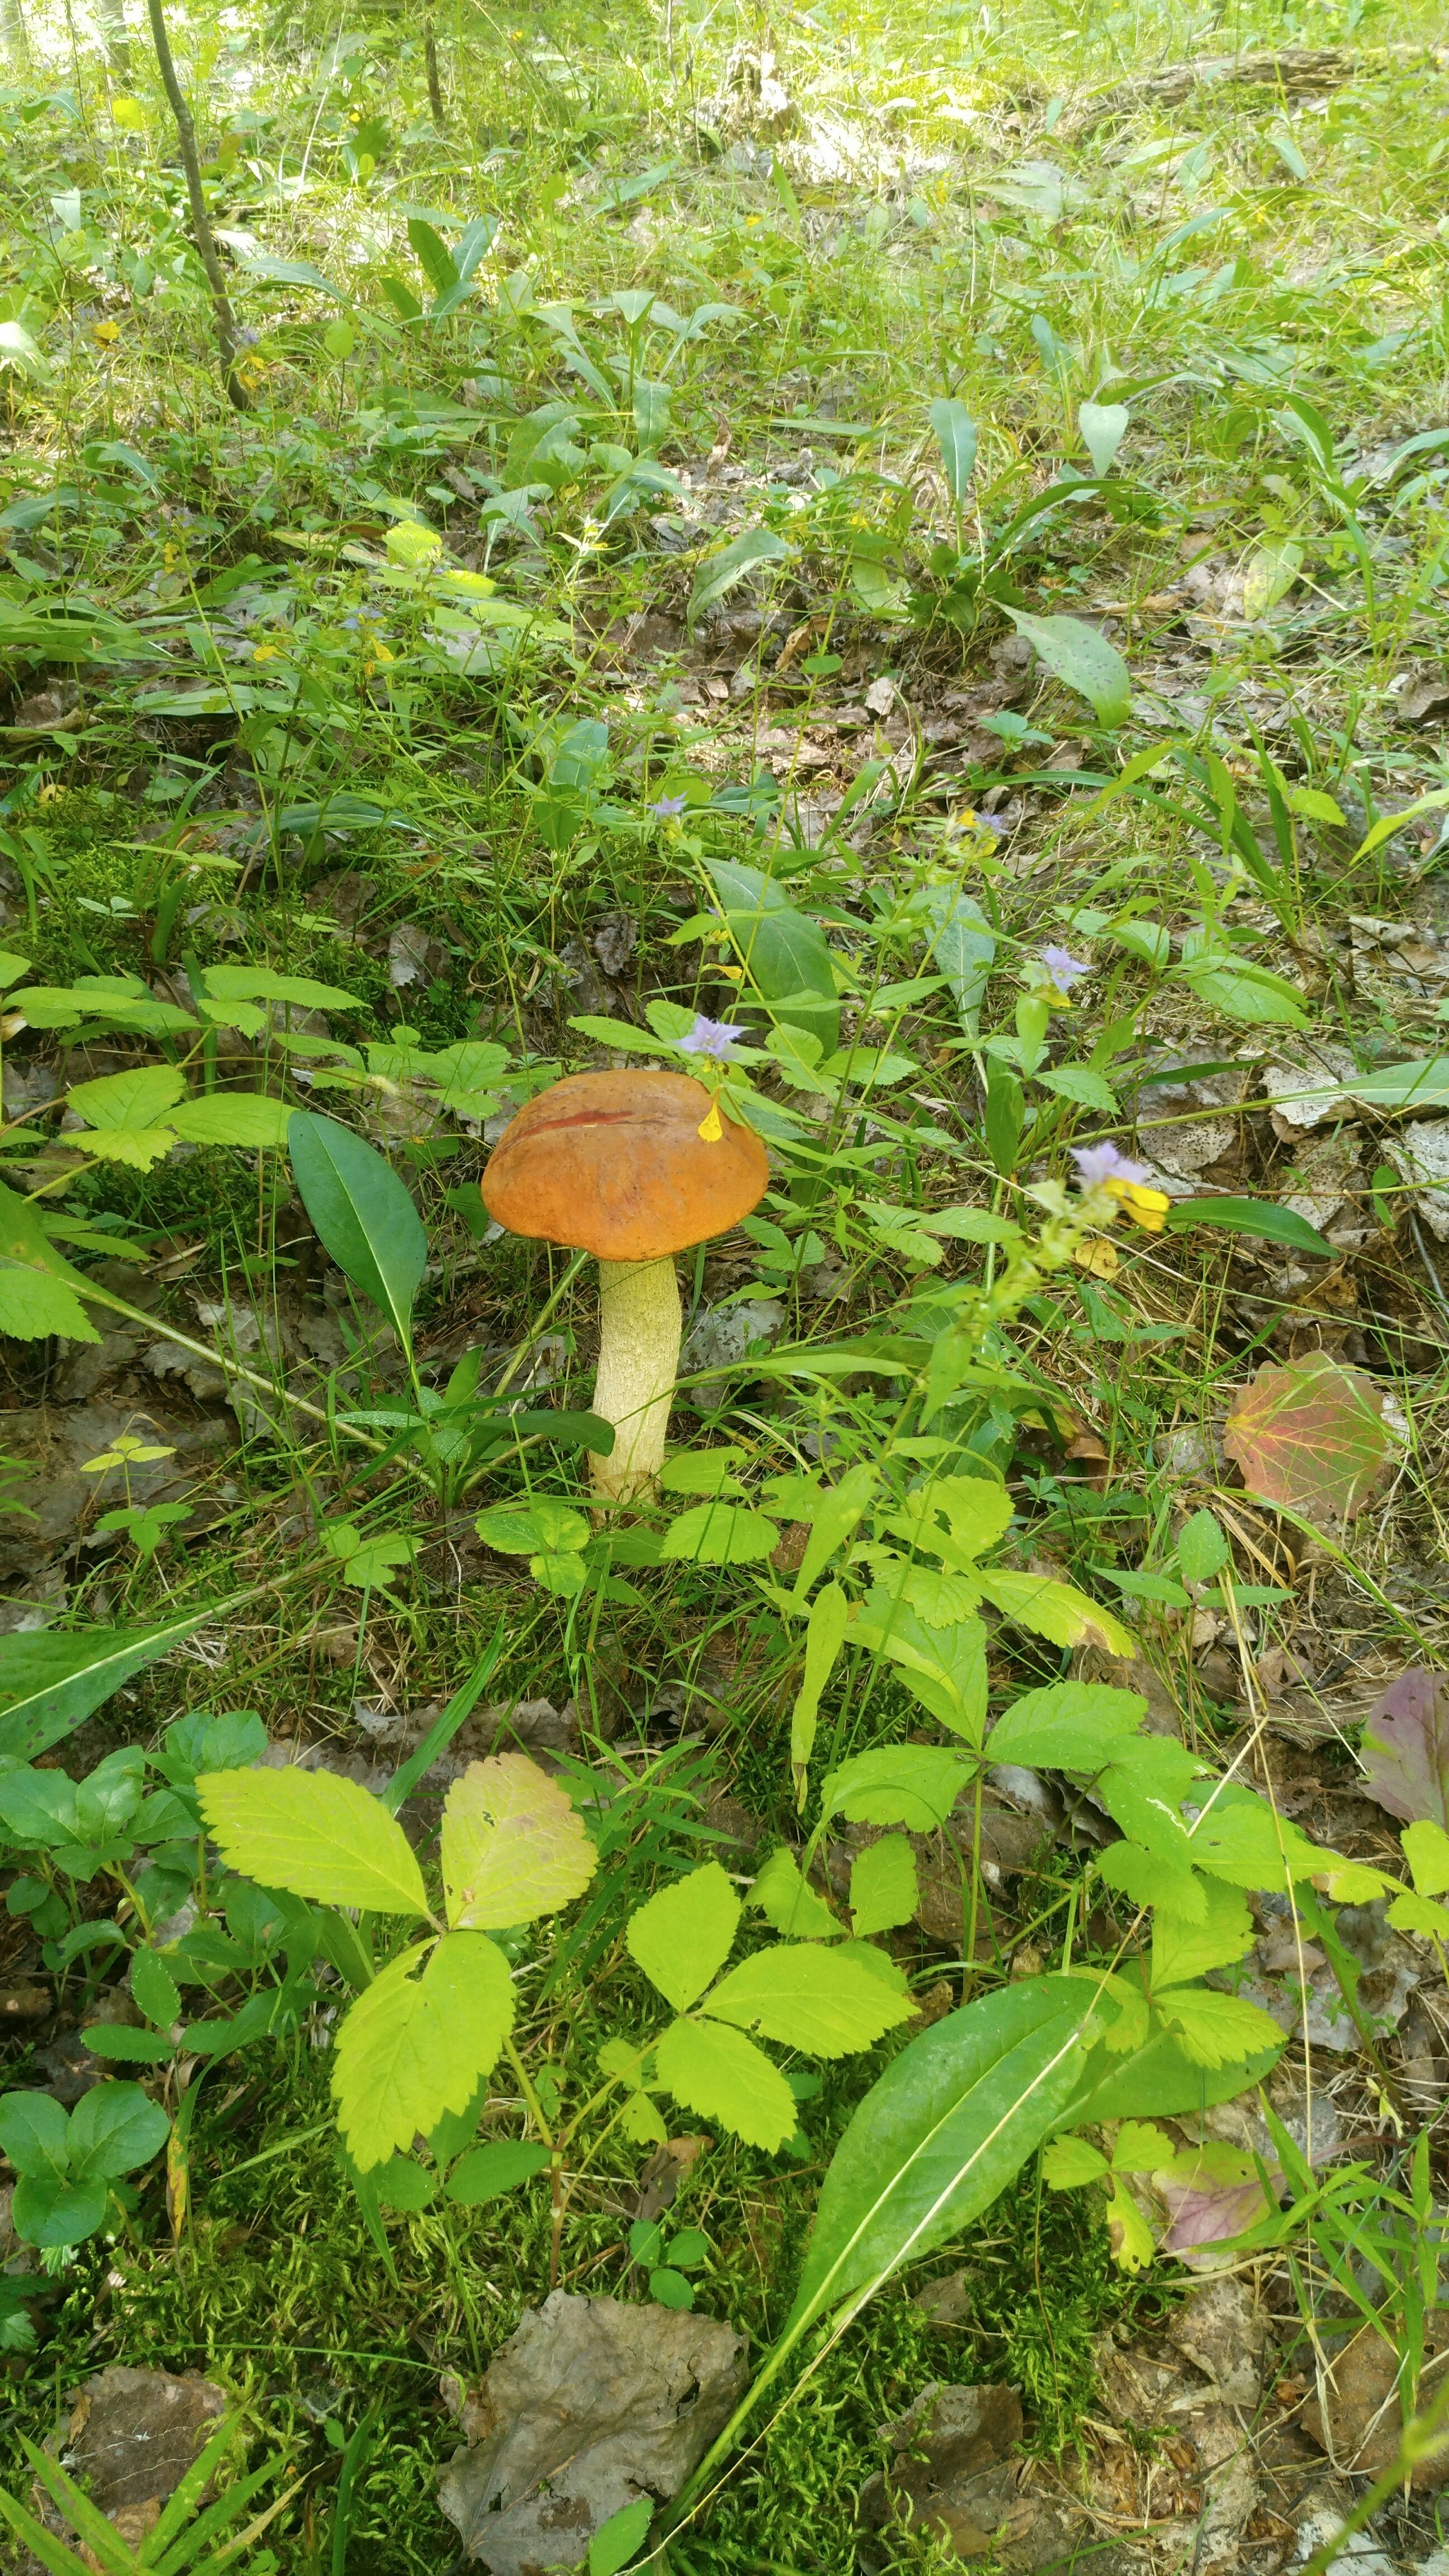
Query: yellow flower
[
  {"x": 107, "y": 333},
  {"x": 50, "y": 793},
  {"x": 736, "y": 974},
  {"x": 266, "y": 652},
  {"x": 710, "y": 1128},
  {"x": 1147, "y": 1208}
]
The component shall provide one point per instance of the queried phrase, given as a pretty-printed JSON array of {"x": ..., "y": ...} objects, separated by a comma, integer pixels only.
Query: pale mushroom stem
[{"x": 640, "y": 1325}]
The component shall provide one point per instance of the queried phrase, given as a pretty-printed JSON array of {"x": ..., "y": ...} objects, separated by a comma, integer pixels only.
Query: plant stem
[
  {"x": 233, "y": 387},
  {"x": 435, "y": 86}
]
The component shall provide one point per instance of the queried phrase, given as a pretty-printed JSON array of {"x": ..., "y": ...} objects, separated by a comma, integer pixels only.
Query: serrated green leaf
[
  {"x": 1056, "y": 1611},
  {"x": 51, "y": 1681},
  {"x": 682, "y": 1936},
  {"x": 513, "y": 1846},
  {"x": 1182, "y": 1950},
  {"x": 721, "y": 2075},
  {"x": 413, "y": 2047},
  {"x": 1215, "y": 2029},
  {"x": 1069, "y": 2163},
  {"x": 789, "y": 1905},
  {"x": 134, "y": 1099},
  {"x": 915, "y": 1785},
  {"x": 1067, "y": 1726},
  {"x": 621, "y": 2537},
  {"x": 883, "y": 1887},
  {"x": 244, "y": 1118},
  {"x": 315, "y": 1835},
  {"x": 806, "y": 1996}
]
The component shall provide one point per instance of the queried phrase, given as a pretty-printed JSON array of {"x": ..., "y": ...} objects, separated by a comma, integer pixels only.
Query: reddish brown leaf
[
  {"x": 1406, "y": 1747},
  {"x": 1310, "y": 1435}
]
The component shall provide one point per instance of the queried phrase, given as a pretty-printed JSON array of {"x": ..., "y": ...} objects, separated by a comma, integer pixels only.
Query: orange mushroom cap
[{"x": 614, "y": 1164}]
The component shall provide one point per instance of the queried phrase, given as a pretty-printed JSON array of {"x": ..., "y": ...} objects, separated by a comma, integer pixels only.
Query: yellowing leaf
[
  {"x": 1056, "y": 1611},
  {"x": 682, "y": 1937},
  {"x": 512, "y": 1846},
  {"x": 723, "y": 2076},
  {"x": 314, "y": 1835},
  {"x": 1130, "y": 2235},
  {"x": 415, "y": 2047}
]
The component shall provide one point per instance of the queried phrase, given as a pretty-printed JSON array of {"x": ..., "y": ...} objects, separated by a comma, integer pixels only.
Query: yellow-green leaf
[
  {"x": 722, "y": 2076},
  {"x": 682, "y": 1937},
  {"x": 513, "y": 1847},
  {"x": 313, "y": 1835},
  {"x": 414, "y": 2047}
]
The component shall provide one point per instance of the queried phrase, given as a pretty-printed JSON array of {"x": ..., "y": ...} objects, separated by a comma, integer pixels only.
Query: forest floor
[{"x": 988, "y": 474}]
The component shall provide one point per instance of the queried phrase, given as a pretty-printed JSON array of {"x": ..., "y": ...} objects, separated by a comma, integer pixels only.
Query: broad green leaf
[
  {"x": 1426, "y": 1849},
  {"x": 1183, "y": 1950},
  {"x": 40, "y": 1807},
  {"x": 1142, "y": 1789},
  {"x": 702, "y": 1471},
  {"x": 1103, "y": 427},
  {"x": 413, "y": 2047},
  {"x": 720, "y": 1534},
  {"x": 1082, "y": 658},
  {"x": 782, "y": 949},
  {"x": 806, "y": 1996},
  {"x": 52, "y": 1680},
  {"x": 789, "y": 1905},
  {"x": 518, "y": 1529},
  {"x": 263, "y": 983},
  {"x": 1078, "y": 1082},
  {"x": 1160, "y": 2079},
  {"x": 915, "y": 1785},
  {"x": 486, "y": 2173},
  {"x": 976, "y": 1514},
  {"x": 1412, "y": 1913},
  {"x": 1229, "y": 983},
  {"x": 1068, "y": 2163},
  {"x": 245, "y": 1118},
  {"x": 721, "y": 2075},
  {"x": 824, "y": 1637},
  {"x": 1251, "y": 1216},
  {"x": 315, "y": 1835},
  {"x": 719, "y": 573},
  {"x": 945, "y": 1667},
  {"x": 940, "y": 2135},
  {"x": 956, "y": 434},
  {"x": 261, "y": 268},
  {"x": 155, "y": 1989},
  {"x": 114, "y": 2128},
  {"x": 513, "y": 1846},
  {"x": 682, "y": 1937},
  {"x": 33, "y": 1306},
  {"x": 962, "y": 944},
  {"x": 1240, "y": 1838},
  {"x": 883, "y": 1886},
  {"x": 621, "y": 2537},
  {"x": 1217, "y": 2030},
  {"x": 432, "y": 255},
  {"x": 1056, "y": 1611},
  {"x": 1150, "y": 1878},
  {"x": 1202, "y": 1548},
  {"x": 1067, "y": 1726},
  {"x": 362, "y": 1212},
  {"x": 57, "y": 2213},
  {"x": 34, "y": 2134},
  {"x": 1140, "y": 2147},
  {"x": 135, "y": 1099}
]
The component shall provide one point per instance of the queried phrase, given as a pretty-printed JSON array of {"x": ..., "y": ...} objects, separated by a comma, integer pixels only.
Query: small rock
[
  {"x": 1221, "y": 2329},
  {"x": 946, "y": 2302},
  {"x": 590, "y": 2405},
  {"x": 134, "y": 2434},
  {"x": 1354, "y": 2416},
  {"x": 414, "y": 956}
]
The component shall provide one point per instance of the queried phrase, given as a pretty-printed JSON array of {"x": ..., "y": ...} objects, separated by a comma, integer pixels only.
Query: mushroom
[{"x": 617, "y": 1164}]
